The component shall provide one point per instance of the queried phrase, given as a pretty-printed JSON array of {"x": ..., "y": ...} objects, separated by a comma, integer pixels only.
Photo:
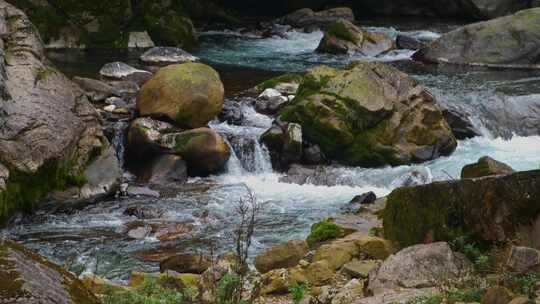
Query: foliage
[
  {"x": 298, "y": 292},
  {"x": 465, "y": 245},
  {"x": 523, "y": 284},
  {"x": 149, "y": 292},
  {"x": 228, "y": 290},
  {"x": 324, "y": 231},
  {"x": 451, "y": 296}
]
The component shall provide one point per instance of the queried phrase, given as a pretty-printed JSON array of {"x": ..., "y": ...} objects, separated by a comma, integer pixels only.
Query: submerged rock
[
  {"x": 369, "y": 114},
  {"x": 162, "y": 56},
  {"x": 494, "y": 208},
  {"x": 510, "y": 41},
  {"x": 96, "y": 90},
  {"x": 186, "y": 263},
  {"x": 191, "y": 94},
  {"x": 343, "y": 37},
  {"x": 485, "y": 166},
  {"x": 409, "y": 43},
  {"x": 25, "y": 277},
  {"x": 50, "y": 132},
  {"x": 122, "y": 71}
]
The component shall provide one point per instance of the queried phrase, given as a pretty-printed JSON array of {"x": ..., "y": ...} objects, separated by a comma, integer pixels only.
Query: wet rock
[
  {"x": 137, "y": 191},
  {"x": 509, "y": 41},
  {"x": 349, "y": 293},
  {"x": 270, "y": 105},
  {"x": 124, "y": 72},
  {"x": 28, "y": 278},
  {"x": 50, "y": 132},
  {"x": 96, "y": 90},
  {"x": 486, "y": 166},
  {"x": 460, "y": 123},
  {"x": 143, "y": 212},
  {"x": 204, "y": 151},
  {"x": 164, "y": 170},
  {"x": 186, "y": 263},
  {"x": 360, "y": 269},
  {"x": 191, "y": 94},
  {"x": 159, "y": 229},
  {"x": 497, "y": 295},
  {"x": 494, "y": 208},
  {"x": 287, "y": 88},
  {"x": 363, "y": 199},
  {"x": 140, "y": 40},
  {"x": 163, "y": 56},
  {"x": 415, "y": 177},
  {"x": 145, "y": 134},
  {"x": 309, "y": 20},
  {"x": 343, "y": 37},
  {"x": 313, "y": 154},
  {"x": 523, "y": 259},
  {"x": 281, "y": 256},
  {"x": 125, "y": 88},
  {"x": 285, "y": 143},
  {"x": 409, "y": 43},
  {"x": 419, "y": 266},
  {"x": 386, "y": 131},
  {"x": 140, "y": 233},
  {"x": 232, "y": 112},
  {"x": 103, "y": 177}
]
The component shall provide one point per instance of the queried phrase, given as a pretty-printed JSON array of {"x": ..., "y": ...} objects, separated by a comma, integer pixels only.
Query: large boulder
[
  {"x": 419, "y": 266},
  {"x": 511, "y": 41},
  {"x": 281, "y": 256},
  {"x": 285, "y": 143},
  {"x": 369, "y": 114},
  {"x": 485, "y": 166},
  {"x": 191, "y": 94},
  {"x": 497, "y": 208},
  {"x": 49, "y": 132},
  {"x": 308, "y": 19},
  {"x": 343, "y": 37},
  {"x": 25, "y": 277}
]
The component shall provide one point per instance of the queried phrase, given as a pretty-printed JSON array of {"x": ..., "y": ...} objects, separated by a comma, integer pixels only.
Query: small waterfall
[
  {"x": 118, "y": 140},
  {"x": 262, "y": 160},
  {"x": 234, "y": 166}
]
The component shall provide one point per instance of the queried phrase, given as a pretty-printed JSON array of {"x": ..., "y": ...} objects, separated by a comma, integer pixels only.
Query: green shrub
[
  {"x": 324, "y": 231},
  {"x": 298, "y": 292},
  {"x": 149, "y": 292},
  {"x": 523, "y": 284}
]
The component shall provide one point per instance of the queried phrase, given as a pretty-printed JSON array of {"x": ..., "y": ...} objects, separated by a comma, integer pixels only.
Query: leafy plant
[
  {"x": 298, "y": 292},
  {"x": 149, "y": 292},
  {"x": 451, "y": 296},
  {"x": 465, "y": 245},
  {"x": 523, "y": 284}
]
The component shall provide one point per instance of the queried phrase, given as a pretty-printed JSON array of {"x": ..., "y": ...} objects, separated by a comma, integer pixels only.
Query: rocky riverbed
[{"x": 389, "y": 160}]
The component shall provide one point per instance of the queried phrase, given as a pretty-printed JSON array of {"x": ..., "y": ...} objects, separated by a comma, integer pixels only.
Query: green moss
[
  {"x": 43, "y": 73},
  {"x": 324, "y": 231},
  {"x": 341, "y": 30},
  {"x": 24, "y": 190},
  {"x": 273, "y": 82},
  {"x": 421, "y": 136}
]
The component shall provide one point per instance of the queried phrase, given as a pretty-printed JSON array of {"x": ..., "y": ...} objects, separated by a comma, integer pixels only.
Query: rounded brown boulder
[{"x": 191, "y": 94}]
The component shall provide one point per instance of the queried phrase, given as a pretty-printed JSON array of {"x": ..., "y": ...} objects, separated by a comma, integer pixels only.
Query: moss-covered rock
[
  {"x": 485, "y": 166},
  {"x": 25, "y": 277},
  {"x": 369, "y": 114},
  {"x": 344, "y": 37},
  {"x": 492, "y": 209},
  {"x": 272, "y": 83},
  {"x": 191, "y": 94},
  {"x": 511, "y": 41}
]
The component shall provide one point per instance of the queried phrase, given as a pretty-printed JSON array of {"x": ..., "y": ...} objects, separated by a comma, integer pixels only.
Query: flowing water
[{"x": 94, "y": 238}]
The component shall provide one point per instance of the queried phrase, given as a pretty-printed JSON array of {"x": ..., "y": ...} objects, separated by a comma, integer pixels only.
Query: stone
[
  {"x": 486, "y": 166},
  {"x": 401, "y": 296},
  {"x": 460, "y": 123},
  {"x": 124, "y": 72},
  {"x": 369, "y": 114},
  {"x": 232, "y": 112},
  {"x": 50, "y": 132},
  {"x": 360, "y": 269},
  {"x": 103, "y": 177},
  {"x": 310, "y": 20},
  {"x": 100, "y": 286},
  {"x": 125, "y": 88},
  {"x": 145, "y": 134},
  {"x": 139, "y": 233},
  {"x": 168, "y": 279},
  {"x": 270, "y": 106},
  {"x": 497, "y": 295},
  {"x": 349, "y": 293},
  {"x": 409, "y": 43},
  {"x": 364, "y": 199},
  {"x": 285, "y": 143},
  {"x": 292, "y": 149},
  {"x": 522, "y": 300},
  {"x": 494, "y": 209},
  {"x": 140, "y": 40},
  {"x": 203, "y": 149},
  {"x": 26, "y": 277},
  {"x": 278, "y": 281},
  {"x": 163, "y": 56},
  {"x": 186, "y": 263},
  {"x": 511, "y": 41},
  {"x": 523, "y": 259},
  {"x": 287, "y": 88},
  {"x": 109, "y": 108},
  {"x": 419, "y": 266},
  {"x": 344, "y": 37},
  {"x": 269, "y": 94},
  {"x": 137, "y": 191},
  {"x": 281, "y": 256},
  {"x": 96, "y": 90},
  {"x": 190, "y": 94},
  {"x": 167, "y": 169}
]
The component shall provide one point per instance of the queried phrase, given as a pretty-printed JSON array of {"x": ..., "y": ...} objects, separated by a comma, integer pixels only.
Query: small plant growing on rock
[
  {"x": 298, "y": 292},
  {"x": 324, "y": 231},
  {"x": 149, "y": 292}
]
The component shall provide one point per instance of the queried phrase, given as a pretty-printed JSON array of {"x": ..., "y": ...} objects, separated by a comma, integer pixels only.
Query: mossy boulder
[
  {"x": 26, "y": 277},
  {"x": 343, "y": 37},
  {"x": 204, "y": 150},
  {"x": 281, "y": 256},
  {"x": 485, "y": 166},
  {"x": 191, "y": 94},
  {"x": 494, "y": 209},
  {"x": 510, "y": 41},
  {"x": 369, "y": 114},
  {"x": 272, "y": 83}
]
